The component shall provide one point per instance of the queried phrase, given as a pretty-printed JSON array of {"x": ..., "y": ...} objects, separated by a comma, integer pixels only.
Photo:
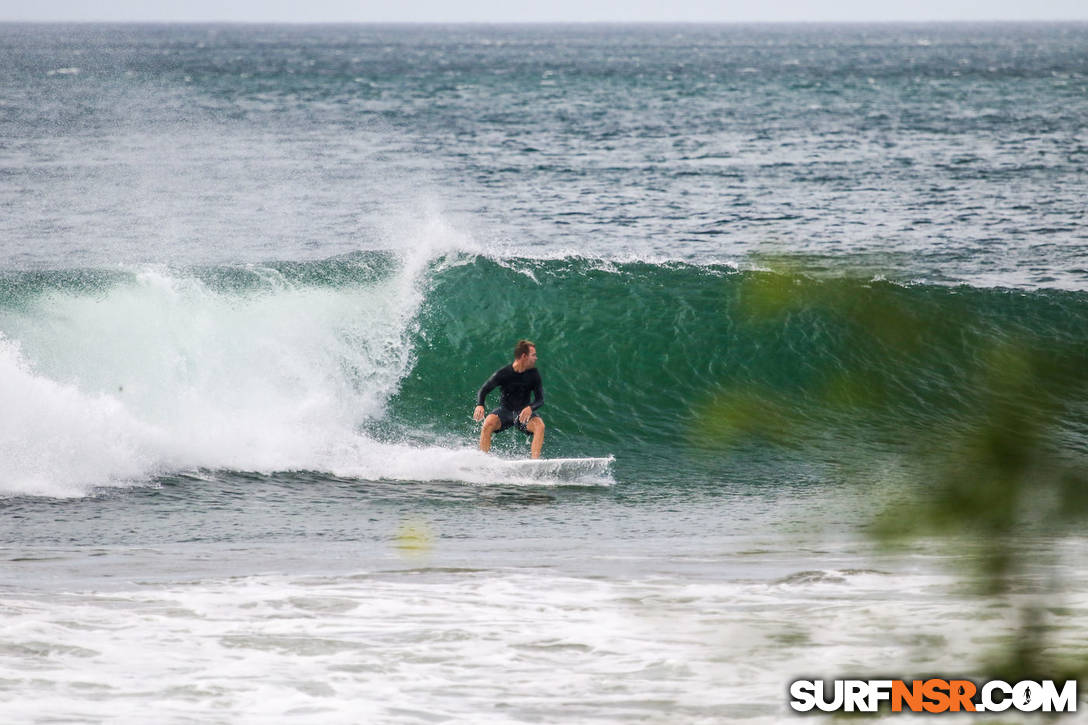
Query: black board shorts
[{"x": 510, "y": 418}]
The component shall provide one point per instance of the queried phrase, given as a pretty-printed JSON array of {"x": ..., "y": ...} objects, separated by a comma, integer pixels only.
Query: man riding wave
[{"x": 517, "y": 380}]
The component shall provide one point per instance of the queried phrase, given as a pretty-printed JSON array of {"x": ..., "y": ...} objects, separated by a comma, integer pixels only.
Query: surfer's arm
[
  {"x": 538, "y": 395},
  {"x": 491, "y": 384}
]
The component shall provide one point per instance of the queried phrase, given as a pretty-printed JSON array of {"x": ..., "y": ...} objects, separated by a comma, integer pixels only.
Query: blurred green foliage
[{"x": 1001, "y": 469}]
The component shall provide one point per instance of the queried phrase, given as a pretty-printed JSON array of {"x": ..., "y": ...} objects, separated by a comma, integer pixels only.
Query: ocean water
[{"x": 252, "y": 276}]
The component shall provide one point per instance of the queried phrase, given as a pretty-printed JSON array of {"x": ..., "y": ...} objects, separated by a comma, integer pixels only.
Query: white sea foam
[
  {"x": 54, "y": 436},
  {"x": 498, "y": 645},
  {"x": 163, "y": 372}
]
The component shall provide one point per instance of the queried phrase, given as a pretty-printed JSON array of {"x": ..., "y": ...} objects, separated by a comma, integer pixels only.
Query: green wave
[
  {"x": 663, "y": 362},
  {"x": 675, "y": 369}
]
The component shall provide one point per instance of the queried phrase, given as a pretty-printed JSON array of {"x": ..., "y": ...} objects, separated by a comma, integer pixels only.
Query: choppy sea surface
[{"x": 252, "y": 276}]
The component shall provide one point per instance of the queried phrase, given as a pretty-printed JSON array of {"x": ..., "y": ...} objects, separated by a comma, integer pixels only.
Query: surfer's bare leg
[
  {"x": 536, "y": 427},
  {"x": 491, "y": 424}
]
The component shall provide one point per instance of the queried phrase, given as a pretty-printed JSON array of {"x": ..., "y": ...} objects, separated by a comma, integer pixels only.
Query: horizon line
[{"x": 944, "y": 21}]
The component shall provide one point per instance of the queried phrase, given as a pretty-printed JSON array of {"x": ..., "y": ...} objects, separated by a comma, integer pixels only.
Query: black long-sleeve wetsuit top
[{"x": 516, "y": 388}]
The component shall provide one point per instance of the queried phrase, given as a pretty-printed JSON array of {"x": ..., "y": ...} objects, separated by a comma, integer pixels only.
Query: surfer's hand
[
  {"x": 478, "y": 414},
  {"x": 525, "y": 413}
]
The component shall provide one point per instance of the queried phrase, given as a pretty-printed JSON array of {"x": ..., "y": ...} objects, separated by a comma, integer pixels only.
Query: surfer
[{"x": 517, "y": 380}]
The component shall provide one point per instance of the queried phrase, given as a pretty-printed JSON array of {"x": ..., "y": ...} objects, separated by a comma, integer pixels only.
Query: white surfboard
[{"x": 574, "y": 470}]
